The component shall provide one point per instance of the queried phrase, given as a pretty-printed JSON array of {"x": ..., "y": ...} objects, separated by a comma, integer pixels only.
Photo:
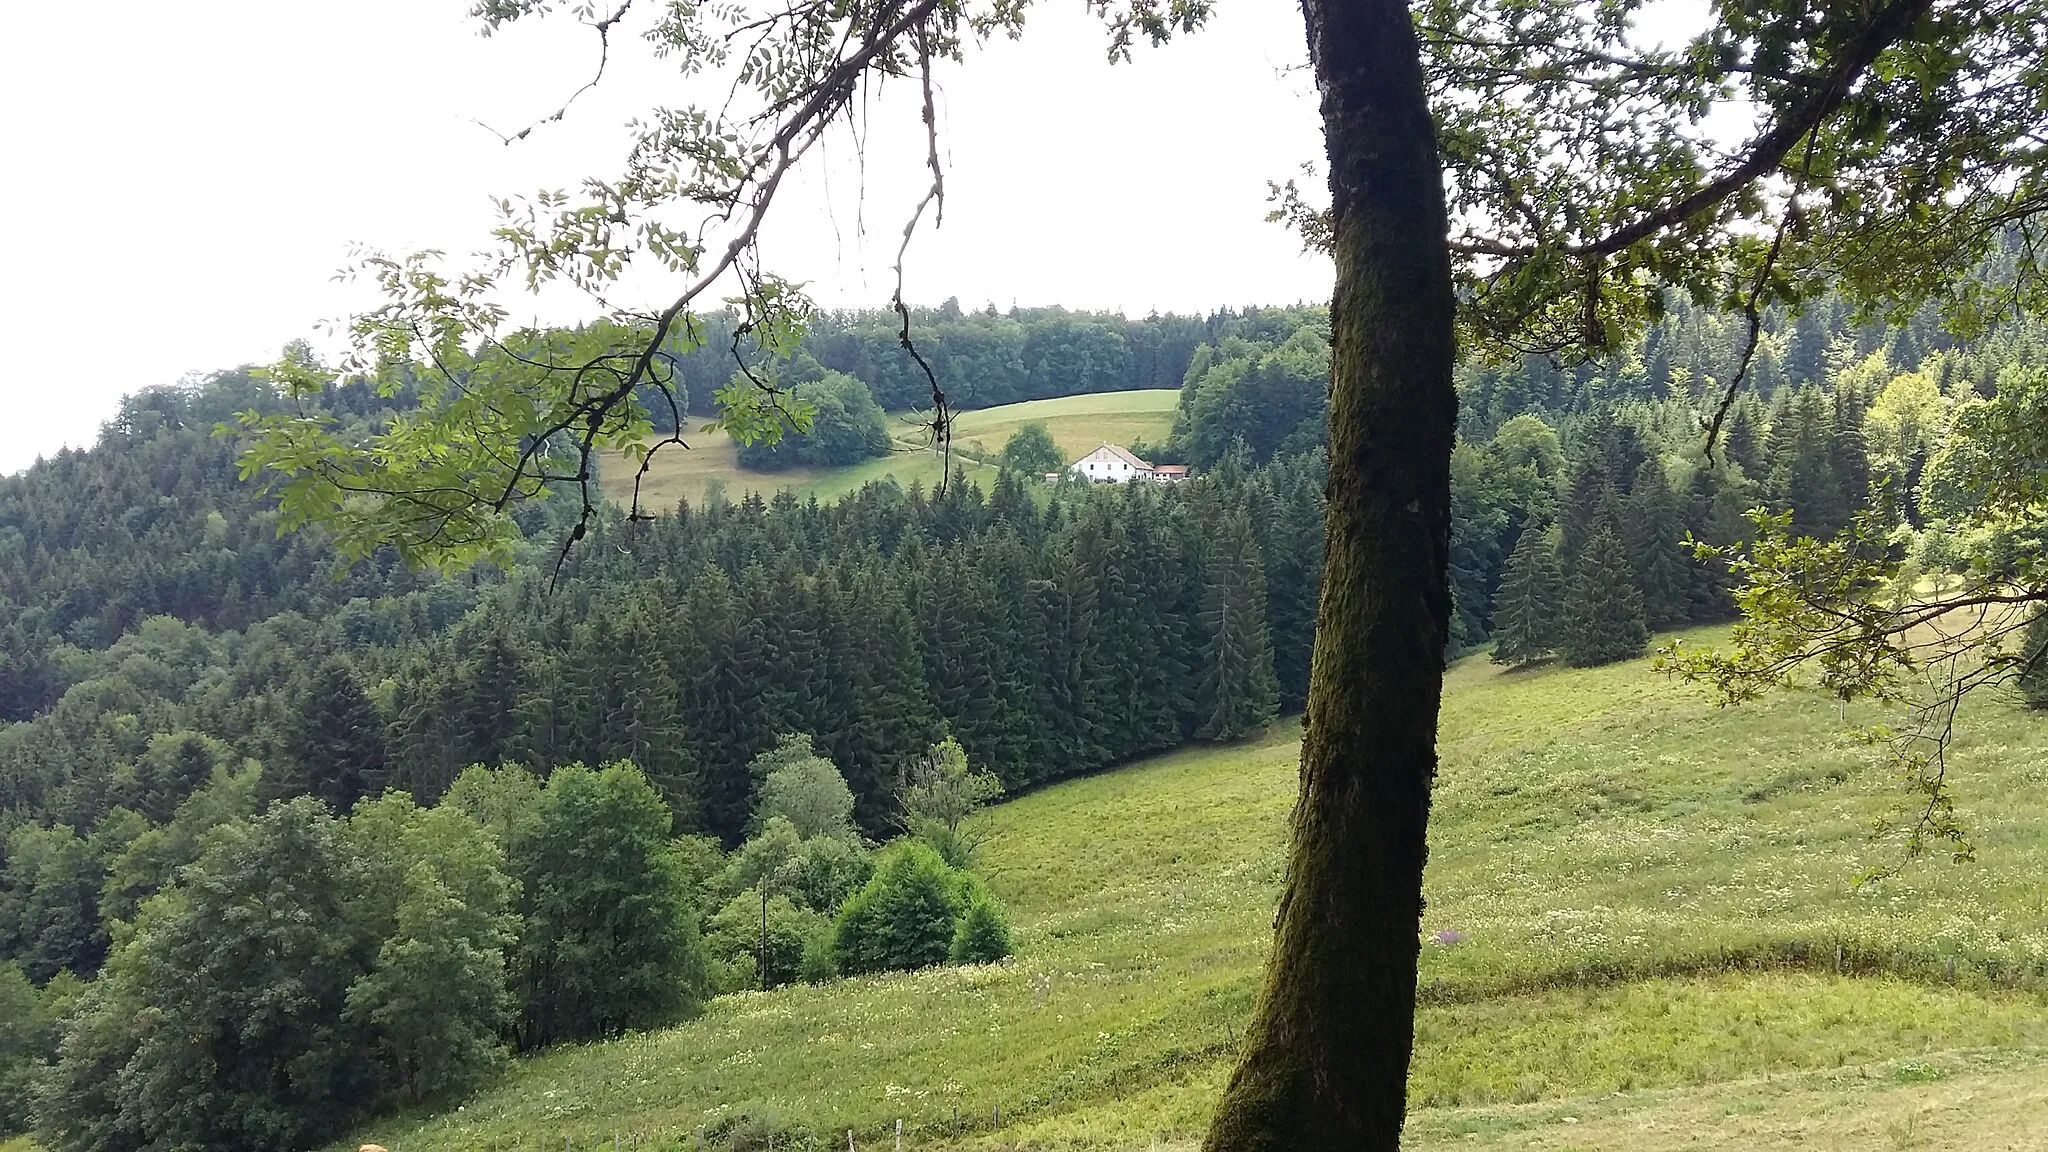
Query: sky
[{"x": 183, "y": 180}]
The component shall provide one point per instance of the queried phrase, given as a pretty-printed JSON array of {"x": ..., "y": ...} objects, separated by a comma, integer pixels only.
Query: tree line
[
  {"x": 985, "y": 357},
  {"x": 174, "y": 665},
  {"x": 397, "y": 954}
]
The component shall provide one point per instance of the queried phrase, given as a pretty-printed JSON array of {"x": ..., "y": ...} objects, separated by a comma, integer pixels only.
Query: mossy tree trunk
[{"x": 1325, "y": 1063}]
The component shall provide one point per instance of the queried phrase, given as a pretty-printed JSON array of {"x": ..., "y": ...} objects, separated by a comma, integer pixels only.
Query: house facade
[{"x": 1113, "y": 464}]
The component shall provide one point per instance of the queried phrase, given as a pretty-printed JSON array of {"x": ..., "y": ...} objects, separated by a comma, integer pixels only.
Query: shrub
[
  {"x": 904, "y": 917},
  {"x": 803, "y": 788},
  {"x": 939, "y": 791},
  {"x": 983, "y": 936},
  {"x": 819, "y": 872},
  {"x": 2034, "y": 654},
  {"x": 733, "y": 940}
]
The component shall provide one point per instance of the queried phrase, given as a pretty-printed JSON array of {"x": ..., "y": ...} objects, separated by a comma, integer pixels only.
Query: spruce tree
[
  {"x": 1166, "y": 602},
  {"x": 494, "y": 677},
  {"x": 1294, "y": 566},
  {"x": 1589, "y": 492},
  {"x": 1739, "y": 439},
  {"x": 1603, "y": 618},
  {"x": 1713, "y": 516},
  {"x": 1067, "y": 738},
  {"x": 1236, "y": 692},
  {"x": 1653, "y": 535},
  {"x": 339, "y": 745},
  {"x": 1525, "y": 624}
]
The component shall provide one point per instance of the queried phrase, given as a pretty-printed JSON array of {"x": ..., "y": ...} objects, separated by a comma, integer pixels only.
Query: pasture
[
  {"x": 1644, "y": 931},
  {"x": 1077, "y": 424}
]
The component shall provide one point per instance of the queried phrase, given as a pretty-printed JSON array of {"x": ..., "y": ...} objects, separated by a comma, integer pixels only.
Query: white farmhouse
[
  {"x": 1114, "y": 464},
  {"x": 1109, "y": 464}
]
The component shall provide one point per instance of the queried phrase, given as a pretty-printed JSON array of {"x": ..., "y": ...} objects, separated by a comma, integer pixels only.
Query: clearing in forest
[{"x": 1077, "y": 424}]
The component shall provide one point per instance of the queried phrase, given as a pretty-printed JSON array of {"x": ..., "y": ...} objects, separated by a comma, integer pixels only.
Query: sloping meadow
[{"x": 1630, "y": 891}]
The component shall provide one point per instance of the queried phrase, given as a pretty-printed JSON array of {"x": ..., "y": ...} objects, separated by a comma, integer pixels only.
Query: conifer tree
[
  {"x": 1588, "y": 493},
  {"x": 1294, "y": 566},
  {"x": 1236, "y": 693},
  {"x": 1739, "y": 442},
  {"x": 1603, "y": 618},
  {"x": 495, "y": 679},
  {"x": 1848, "y": 452},
  {"x": 719, "y": 663},
  {"x": 1525, "y": 612},
  {"x": 1653, "y": 535},
  {"x": 1713, "y": 515},
  {"x": 1066, "y": 738},
  {"x": 339, "y": 745}
]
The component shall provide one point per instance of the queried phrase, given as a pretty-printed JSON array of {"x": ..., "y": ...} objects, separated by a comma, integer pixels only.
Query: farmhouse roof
[{"x": 1124, "y": 455}]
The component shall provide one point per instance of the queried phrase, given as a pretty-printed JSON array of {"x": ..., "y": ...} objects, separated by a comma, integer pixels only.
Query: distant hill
[{"x": 1077, "y": 423}]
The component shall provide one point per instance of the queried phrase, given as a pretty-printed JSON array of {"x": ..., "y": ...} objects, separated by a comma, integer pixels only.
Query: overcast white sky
[{"x": 181, "y": 180}]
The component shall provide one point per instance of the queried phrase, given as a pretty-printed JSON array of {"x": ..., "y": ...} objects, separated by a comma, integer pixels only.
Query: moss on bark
[{"x": 1325, "y": 1063}]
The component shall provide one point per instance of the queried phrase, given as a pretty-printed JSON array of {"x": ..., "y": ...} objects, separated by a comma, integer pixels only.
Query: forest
[{"x": 740, "y": 701}]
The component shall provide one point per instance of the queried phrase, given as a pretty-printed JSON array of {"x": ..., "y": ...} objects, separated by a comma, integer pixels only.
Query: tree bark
[{"x": 1325, "y": 1064}]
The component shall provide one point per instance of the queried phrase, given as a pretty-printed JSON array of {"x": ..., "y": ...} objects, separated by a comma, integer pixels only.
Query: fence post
[
  {"x": 996, "y": 1117},
  {"x": 899, "y": 1135},
  {"x": 849, "y": 1140}
]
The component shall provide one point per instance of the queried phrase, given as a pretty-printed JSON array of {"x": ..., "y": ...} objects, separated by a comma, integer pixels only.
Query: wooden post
[
  {"x": 899, "y": 1135},
  {"x": 849, "y": 1140}
]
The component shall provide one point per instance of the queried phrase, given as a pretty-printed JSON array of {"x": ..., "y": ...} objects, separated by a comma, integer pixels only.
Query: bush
[
  {"x": 940, "y": 790},
  {"x": 732, "y": 938},
  {"x": 803, "y": 788},
  {"x": 818, "y": 873},
  {"x": 905, "y": 917},
  {"x": 983, "y": 936},
  {"x": 2034, "y": 654}
]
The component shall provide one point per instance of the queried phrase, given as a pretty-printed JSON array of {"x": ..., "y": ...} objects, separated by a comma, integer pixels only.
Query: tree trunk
[{"x": 1325, "y": 1064}]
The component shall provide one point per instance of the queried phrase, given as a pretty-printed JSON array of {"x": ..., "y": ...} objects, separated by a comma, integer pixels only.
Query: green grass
[
  {"x": 1651, "y": 891},
  {"x": 1077, "y": 424}
]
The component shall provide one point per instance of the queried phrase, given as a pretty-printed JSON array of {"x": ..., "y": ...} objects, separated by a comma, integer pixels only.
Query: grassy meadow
[
  {"x": 1658, "y": 942},
  {"x": 1077, "y": 424}
]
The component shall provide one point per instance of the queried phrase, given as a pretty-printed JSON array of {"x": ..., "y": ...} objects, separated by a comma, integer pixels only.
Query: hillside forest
[{"x": 738, "y": 744}]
